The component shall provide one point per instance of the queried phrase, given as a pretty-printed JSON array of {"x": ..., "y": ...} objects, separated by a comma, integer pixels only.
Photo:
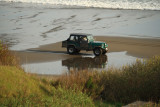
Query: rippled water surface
[{"x": 29, "y": 27}]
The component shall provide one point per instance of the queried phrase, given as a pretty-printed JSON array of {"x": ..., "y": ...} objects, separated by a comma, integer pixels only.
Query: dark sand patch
[
  {"x": 142, "y": 48},
  {"x": 138, "y": 47}
]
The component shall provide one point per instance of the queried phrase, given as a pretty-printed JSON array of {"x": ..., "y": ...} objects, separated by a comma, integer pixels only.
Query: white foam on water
[
  {"x": 25, "y": 28},
  {"x": 114, "y": 4}
]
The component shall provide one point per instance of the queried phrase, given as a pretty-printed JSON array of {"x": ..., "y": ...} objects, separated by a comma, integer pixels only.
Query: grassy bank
[
  {"x": 6, "y": 57},
  {"x": 18, "y": 88},
  {"x": 114, "y": 87},
  {"x": 139, "y": 81}
]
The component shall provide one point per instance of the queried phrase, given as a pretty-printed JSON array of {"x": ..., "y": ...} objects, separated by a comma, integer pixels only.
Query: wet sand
[
  {"x": 25, "y": 27},
  {"x": 137, "y": 47}
]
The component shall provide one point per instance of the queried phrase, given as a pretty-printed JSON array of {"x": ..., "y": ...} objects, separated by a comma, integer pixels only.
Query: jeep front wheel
[
  {"x": 71, "y": 49},
  {"x": 97, "y": 51},
  {"x": 77, "y": 51},
  {"x": 104, "y": 52}
]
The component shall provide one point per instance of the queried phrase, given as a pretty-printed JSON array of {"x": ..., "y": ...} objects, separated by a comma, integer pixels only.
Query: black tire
[
  {"x": 71, "y": 49},
  {"x": 104, "y": 52},
  {"x": 97, "y": 51},
  {"x": 77, "y": 50}
]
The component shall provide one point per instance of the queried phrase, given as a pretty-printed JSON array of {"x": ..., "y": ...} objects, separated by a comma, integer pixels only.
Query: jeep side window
[
  {"x": 84, "y": 39},
  {"x": 72, "y": 38},
  {"x": 76, "y": 38}
]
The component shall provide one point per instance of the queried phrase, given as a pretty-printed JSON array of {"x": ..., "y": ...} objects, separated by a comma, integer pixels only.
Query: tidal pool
[{"x": 89, "y": 62}]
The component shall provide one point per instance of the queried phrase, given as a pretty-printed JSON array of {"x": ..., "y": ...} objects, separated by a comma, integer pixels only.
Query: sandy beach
[
  {"x": 40, "y": 72},
  {"x": 34, "y": 33},
  {"x": 26, "y": 26},
  {"x": 140, "y": 48},
  {"x": 53, "y": 59}
]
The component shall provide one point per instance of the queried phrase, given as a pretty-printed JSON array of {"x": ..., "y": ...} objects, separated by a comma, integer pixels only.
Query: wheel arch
[
  {"x": 97, "y": 47},
  {"x": 71, "y": 45}
]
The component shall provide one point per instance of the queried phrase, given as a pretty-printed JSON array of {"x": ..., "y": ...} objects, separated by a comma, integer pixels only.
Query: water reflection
[
  {"x": 81, "y": 63},
  {"x": 114, "y": 59}
]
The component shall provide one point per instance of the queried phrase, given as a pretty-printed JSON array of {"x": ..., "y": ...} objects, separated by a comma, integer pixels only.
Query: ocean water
[
  {"x": 28, "y": 24},
  {"x": 113, "y": 4}
]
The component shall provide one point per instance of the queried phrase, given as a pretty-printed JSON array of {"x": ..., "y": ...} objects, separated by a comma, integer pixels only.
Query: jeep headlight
[{"x": 106, "y": 45}]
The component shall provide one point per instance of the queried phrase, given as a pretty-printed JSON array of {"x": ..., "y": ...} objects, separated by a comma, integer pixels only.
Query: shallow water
[
  {"x": 29, "y": 27},
  {"x": 25, "y": 27},
  {"x": 89, "y": 62}
]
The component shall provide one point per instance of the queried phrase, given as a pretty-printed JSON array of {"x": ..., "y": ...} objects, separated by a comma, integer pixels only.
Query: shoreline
[
  {"x": 137, "y": 47},
  {"x": 25, "y": 28},
  {"x": 71, "y": 6}
]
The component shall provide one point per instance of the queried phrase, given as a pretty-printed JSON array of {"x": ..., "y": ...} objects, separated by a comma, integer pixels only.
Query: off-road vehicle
[{"x": 77, "y": 42}]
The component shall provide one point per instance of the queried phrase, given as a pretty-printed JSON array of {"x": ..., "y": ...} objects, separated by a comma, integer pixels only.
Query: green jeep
[{"x": 77, "y": 42}]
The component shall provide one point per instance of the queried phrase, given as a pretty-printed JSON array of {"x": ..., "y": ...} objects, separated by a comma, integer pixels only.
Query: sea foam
[{"x": 113, "y": 4}]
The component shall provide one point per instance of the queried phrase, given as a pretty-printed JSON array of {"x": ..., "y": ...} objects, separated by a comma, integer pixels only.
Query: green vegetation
[
  {"x": 114, "y": 87},
  {"x": 6, "y": 57},
  {"x": 18, "y": 88},
  {"x": 139, "y": 81}
]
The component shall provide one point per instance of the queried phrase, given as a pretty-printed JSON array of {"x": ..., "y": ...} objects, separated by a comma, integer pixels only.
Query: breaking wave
[{"x": 113, "y": 4}]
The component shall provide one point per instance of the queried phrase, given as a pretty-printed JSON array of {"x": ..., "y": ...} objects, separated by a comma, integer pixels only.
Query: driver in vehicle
[{"x": 84, "y": 38}]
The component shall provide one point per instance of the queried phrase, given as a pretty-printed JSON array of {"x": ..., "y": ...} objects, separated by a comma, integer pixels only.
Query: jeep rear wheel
[
  {"x": 71, "y": 49},
  {"x": 97, "y": 51}
]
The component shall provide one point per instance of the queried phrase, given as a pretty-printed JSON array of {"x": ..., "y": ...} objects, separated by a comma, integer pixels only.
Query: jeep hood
[{"x": 98, "y": 42}]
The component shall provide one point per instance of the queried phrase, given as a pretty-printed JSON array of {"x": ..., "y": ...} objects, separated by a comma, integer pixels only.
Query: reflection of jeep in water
[
  {"x": 77, "y": 42},
  {"x": 82, "y": 63}
]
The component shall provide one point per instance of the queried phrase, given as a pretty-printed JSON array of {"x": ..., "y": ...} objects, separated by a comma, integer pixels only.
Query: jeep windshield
[{"x": 90, "y": 38}]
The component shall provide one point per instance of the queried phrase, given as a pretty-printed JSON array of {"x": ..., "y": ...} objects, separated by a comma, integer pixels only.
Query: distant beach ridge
[{"x": 112, "y": 4}]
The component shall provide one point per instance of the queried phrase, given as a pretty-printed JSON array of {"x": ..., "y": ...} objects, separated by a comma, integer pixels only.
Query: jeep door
[
  {"x": 84, "y": 42},
  {"x": 74, "y": 41}
]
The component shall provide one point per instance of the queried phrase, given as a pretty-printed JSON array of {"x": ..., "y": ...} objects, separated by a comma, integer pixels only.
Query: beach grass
[
  {"x": 138, "y": 81},
  {"x": 6, "y": 57},
  {"x": 113, "y": 87},
  {"x": 18, "y": 88}
]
